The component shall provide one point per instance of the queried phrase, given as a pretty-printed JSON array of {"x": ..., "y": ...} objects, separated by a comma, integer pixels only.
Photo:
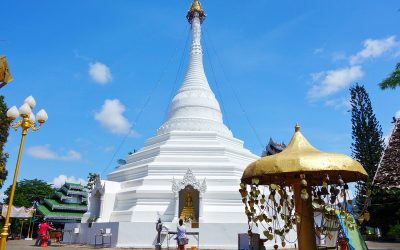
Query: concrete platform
[{"x": 29, "y": 245}]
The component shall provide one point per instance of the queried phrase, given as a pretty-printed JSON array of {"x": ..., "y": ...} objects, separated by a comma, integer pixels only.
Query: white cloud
[
  {"x": 338, "y": 56},
  {"x": 108, "y": 149},
  {"x": 71, "y": 155},
  {"x": 45, "y": 153},
  {"x": 61, "y": 179},
  {"x": 374, "y": 48},
  {"x": 341, "y": 103},
  {"x": 2, "y": 196},
  {"x": 111, "y": 117},
  {"x": 397, "y": 115},
  {"x": 330, "y": 82},
  {"x": 318, "y": 51},
  {"x": 100, "y": 73}
]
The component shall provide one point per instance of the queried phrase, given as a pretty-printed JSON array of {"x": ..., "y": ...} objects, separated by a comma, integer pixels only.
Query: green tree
[
  {"x": 367, "y": 145},
  {"x": 393, "y": 80},
  {"x": 4, "y": 127},
  {"x": 28, "y": 191},
  {"x": 92, "y": 177},
  {"x": 385, "y": 211}
]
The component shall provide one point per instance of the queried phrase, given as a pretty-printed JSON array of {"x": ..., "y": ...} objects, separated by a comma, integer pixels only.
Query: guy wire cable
[
  {"x": 156, "y": 85},
  {"x": 235, "y": 94},
  {"x": 219, "y": 92},
  {"x": 174, "y": 86}
]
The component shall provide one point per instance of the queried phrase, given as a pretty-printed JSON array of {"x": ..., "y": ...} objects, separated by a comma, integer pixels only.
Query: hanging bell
[{"x": 340, "y": 181}]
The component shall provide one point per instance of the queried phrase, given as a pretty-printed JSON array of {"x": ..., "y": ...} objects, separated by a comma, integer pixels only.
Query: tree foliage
[
  {"x": 4, "y": 127},
  {"x": 28, "y": 191},
  {"x": 367, "y": 146},
  {"x": 385, "y": 211},
  {"x": 92, "y": 177},
  {"x": 393, "y": 80}
]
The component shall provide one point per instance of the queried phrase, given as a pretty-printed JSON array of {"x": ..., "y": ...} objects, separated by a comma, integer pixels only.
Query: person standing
[
  {"x": 44, "y": 229},
  {"x": 181, "y": 235},
  {"x": 37, "y": 243}
]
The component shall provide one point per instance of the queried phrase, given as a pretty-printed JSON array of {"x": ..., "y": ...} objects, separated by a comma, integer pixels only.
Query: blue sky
[{"x": 287, "y": 61}]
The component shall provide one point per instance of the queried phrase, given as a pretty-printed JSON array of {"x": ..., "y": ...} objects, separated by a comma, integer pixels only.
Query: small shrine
[
  {"x": 67, "y": 204},
  {"x": 188, "y": 194}
]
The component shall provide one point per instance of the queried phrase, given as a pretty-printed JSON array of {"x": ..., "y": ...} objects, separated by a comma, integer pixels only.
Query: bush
[
  {"x": 394, "y": 232},
  {"x": 385, "y": 211}
]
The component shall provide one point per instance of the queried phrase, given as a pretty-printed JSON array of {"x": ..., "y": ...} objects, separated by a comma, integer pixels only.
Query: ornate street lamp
[{"x": 28, "y": 121}]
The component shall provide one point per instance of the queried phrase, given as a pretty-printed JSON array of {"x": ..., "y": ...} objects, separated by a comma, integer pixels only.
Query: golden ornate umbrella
[
  {"x": 5, "y": 75},
  {"x": 301, "y": 166}
]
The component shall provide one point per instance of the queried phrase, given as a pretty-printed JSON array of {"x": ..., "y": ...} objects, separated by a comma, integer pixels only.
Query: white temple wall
[{"x": 143, "y": 234}]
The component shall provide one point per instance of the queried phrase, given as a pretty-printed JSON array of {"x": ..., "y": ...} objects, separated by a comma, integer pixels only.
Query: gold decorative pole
[
  {"x": 305, "y": 223},
  {"x": 27, "y": 122},
  {"x": 4, "y": 233}
]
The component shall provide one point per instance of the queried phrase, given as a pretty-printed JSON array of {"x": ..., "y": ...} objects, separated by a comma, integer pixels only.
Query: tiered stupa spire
[
  {"x": 196, "y": 8},
  {"x": 154, "y": 182},
  {"x": 194, "y": 107}
]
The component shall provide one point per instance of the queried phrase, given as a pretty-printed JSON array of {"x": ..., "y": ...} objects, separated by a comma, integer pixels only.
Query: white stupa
[{"x": 193, "y": 154}]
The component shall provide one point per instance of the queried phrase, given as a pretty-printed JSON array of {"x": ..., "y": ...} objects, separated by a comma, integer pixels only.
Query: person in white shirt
[{"x": 181, "y": 235}]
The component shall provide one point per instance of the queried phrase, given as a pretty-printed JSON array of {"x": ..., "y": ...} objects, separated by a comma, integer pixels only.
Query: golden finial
[
  {"x": 196, "y": 8},
  {"x": 297, "y": 127}
]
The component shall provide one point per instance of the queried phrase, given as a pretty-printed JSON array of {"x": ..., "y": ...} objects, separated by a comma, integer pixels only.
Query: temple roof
[
  {"x": 74, "y": 186},
  {"x": 54, "y": 204},
  {"x": 388, "y": 173},
  {"x": 57, "y": 215},
  {"x": 273, "y": 148},
  {"x": 67, "y": 204}
]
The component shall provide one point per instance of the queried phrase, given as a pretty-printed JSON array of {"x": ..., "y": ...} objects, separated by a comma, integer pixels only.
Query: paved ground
[
  {"x": 28, "y": 245},
  {"x": 383, "y": 245}
]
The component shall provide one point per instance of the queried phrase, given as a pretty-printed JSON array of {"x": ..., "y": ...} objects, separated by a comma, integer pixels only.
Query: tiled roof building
[
  {"x": 273, "y": 148},
  {"x": 68, "y": 204}
]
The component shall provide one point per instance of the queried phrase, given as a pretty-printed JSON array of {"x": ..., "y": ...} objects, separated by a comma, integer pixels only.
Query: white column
[
  {"x": 176, "y": 216},
  {"x": 200, "y": 206}
]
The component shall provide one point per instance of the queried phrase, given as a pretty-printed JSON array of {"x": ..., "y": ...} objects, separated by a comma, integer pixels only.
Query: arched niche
[
  {"x": 188, "y": 183},
  {"x": 192, "y": 196}
]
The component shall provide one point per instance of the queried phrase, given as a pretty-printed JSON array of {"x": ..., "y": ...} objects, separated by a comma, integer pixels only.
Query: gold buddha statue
[{"x": 188, "y": 212}]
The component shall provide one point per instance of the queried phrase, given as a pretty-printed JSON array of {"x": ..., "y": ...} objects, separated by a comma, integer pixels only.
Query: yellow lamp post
[{"x": 28, "y": 121}]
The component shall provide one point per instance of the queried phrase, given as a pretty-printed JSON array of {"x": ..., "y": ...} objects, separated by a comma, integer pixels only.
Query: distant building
[
  {"x": 388, "y": 173},
  {"x": 273, "y": 148},
  {"x": 68, "y": 204}
]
